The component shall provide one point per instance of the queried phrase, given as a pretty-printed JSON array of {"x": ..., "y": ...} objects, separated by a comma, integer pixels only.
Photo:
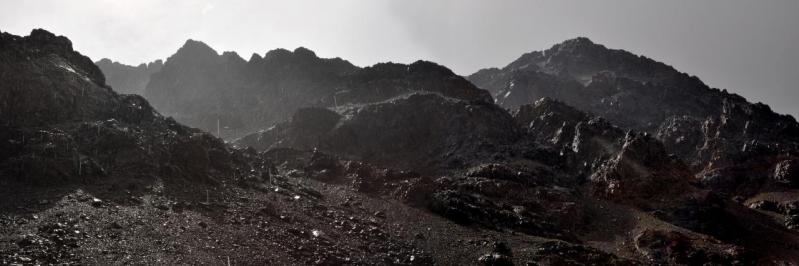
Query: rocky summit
[{"x": 577, "y": 155}]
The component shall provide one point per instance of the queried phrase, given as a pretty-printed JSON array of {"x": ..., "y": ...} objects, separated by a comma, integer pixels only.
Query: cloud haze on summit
[{"x": 747, "y": 47}]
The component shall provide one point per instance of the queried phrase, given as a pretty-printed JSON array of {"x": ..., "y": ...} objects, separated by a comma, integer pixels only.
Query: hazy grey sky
[{"x": 746, "y": 46}]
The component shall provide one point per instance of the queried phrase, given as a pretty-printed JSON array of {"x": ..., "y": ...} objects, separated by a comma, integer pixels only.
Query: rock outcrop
[
  {"x": 642, "y": 170},
  {"x": 583, "y": 141},
  {"x": 622, "y": 166}
]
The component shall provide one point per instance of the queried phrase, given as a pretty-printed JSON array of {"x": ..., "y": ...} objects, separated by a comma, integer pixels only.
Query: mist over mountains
[{"x": 576, "y": 155}]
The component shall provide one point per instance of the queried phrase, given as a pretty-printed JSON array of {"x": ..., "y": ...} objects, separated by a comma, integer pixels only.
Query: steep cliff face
[
  {"x": 127, "y": 79},
  {"x": 731, "y": 145},
  {"x": 226, "y": 94}
]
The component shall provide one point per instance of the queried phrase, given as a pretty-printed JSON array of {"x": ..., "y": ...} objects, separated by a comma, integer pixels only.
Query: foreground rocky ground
[{"x": 319, "y": 211}]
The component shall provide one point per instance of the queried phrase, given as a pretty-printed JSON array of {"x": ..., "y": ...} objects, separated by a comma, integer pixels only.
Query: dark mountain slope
[
  {"x": 423, "y": 132},
  {"x": 58, "y": 110},
  {"x": 635, "y": 169},
  {"x": 29, "y": 74},
  {"x": 550, "y": 171},
  {"x": 88, "y": 176}
]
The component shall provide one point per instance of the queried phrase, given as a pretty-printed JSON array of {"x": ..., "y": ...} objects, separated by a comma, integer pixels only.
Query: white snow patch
[{"x": 67, "y": 68}]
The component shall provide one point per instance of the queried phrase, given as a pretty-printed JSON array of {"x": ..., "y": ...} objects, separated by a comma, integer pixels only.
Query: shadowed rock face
[
  {"x": 41, "y": 74},
  {"x": 127, "y": 79},
  {"x": 201, "y": 88},
  {"x": 726, "y": 140},
  {"x": 584, "y": 140},
  {"x": 621, "y": 166},
  {"x": 641, "y": 170}
]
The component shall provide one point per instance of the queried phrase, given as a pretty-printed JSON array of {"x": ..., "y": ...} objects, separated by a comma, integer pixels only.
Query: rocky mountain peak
[
  {"x": 194, "y": 52},
  {"x": 422, "y": 67},
  {"x": 255, "y": 57},
  {"x": 304, "y": 52},
  {"x": 579, "y": 41},
  {"x": 580, "y": 58},
  {"x": 233, "y": 58},
  {"x": 276, "y": 53},
  {"x": 104, "y": 61},
  {"x": 194, "y": 45},
  {"x": 44, "y": 43},
  {"x": 43, "y": 38},
  {"x": 575, "y": 47}
]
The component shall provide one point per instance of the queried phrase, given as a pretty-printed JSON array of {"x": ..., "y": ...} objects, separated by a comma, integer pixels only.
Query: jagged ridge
[{"x": 210, "y": 91}]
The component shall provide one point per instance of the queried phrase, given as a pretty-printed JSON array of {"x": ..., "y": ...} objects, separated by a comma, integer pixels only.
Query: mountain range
[
  {"x": 576, "y": 155},
  {"x": 229, "y": 96},
  {"x": 731, "y": 145}
]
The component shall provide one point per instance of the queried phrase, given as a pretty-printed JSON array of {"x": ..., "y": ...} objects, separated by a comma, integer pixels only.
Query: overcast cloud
[{"x": 747, "y": 47}]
